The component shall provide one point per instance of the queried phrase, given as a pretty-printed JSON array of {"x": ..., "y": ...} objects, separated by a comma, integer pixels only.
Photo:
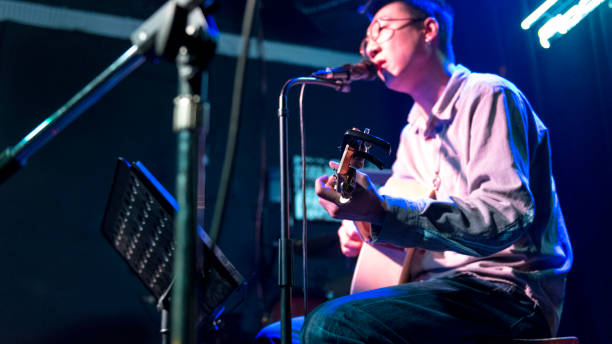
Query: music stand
[{"x": 138, "y": 223}]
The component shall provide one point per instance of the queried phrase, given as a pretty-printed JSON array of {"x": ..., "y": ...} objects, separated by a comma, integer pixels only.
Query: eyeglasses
[{"x": 380, "y": 34}]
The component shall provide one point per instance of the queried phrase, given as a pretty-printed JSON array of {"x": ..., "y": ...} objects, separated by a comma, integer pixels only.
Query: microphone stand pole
[
  {"x": 285, "y": 243},
  {"x": 187, "y": 122},
  {"x": 180, "y": 31}
]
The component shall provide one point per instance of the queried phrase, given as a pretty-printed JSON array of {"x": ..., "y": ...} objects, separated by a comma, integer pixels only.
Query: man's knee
[{"x": 328, "y": 322}]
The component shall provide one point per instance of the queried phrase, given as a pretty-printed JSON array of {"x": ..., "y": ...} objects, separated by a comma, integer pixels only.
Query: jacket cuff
[{"x": 401, "y": 221}]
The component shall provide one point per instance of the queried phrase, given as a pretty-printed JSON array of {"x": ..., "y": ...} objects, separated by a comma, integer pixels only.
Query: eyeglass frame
[{"x": 368, "y": 37}]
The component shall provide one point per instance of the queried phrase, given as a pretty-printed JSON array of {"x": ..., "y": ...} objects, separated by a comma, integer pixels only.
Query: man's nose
[{"x": 372, "y": 50}]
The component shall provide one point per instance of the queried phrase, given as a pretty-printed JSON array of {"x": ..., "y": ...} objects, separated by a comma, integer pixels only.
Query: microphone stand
[
  {"x": 285, "y": 243},
  {"x": 177, "y": 31}
]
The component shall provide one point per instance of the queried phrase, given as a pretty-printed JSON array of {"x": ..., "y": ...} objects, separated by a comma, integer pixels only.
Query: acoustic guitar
[
  {"x": 378, "y": 265},
  {"x": 382, "y": 265}
]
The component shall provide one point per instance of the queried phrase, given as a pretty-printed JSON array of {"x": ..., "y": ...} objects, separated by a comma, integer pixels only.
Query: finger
[
  {"x": 342, "y": 236},
  {"x": 349, "y": 234},
  {"x": 363, "y": 180},
  {"x": 331, "y": 182},
  {"x": 347, "y": 225},
  {"x": 346, "y": 243},
  {"x": 353, "y": 244},
  {"x": 333, "y": 165},
  {"x": 347, "y": 239},
  {"x": 351, "y": 249},
  {"x": 346, "y": 234},
  {"x": 350, "y": 253},
  {"x": 331, "y": 207},
  {"x": 325, "y": 192},
  {"x": 324, "y": 178},
  {"x": 320, "y": 183},
  {"x": 354, "y": 235}
]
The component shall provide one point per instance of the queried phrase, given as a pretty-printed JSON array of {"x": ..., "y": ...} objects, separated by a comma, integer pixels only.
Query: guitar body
[
  {"x": 382, "y": 265},
  {"x": 378, "y": 266}
]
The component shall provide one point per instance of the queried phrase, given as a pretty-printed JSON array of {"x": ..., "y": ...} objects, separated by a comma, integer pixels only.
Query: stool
[{"x": 560, "y": 340}]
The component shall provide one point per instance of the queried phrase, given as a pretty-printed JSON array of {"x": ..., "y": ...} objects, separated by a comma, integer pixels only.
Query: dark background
[{"x": 62, "y": 282}]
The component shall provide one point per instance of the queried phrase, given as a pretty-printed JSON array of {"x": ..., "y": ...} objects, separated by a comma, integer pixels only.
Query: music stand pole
[
  {"x": 164, "y": 329},
  {"x": 162, "y": 305}
]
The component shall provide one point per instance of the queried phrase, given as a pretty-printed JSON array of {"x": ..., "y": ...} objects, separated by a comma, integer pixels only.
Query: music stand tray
[{"x": 138, "y": 223}]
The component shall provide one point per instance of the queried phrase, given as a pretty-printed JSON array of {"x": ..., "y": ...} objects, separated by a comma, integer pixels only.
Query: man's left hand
[{"x": 365, "y": 205}]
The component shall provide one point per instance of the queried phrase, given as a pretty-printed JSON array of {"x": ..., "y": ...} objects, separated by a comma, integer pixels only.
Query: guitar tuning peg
[{"x": 367, "y": 145}]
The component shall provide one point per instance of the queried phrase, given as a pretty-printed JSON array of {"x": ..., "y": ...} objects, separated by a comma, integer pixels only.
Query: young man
[{"x": 491, "y": 248}]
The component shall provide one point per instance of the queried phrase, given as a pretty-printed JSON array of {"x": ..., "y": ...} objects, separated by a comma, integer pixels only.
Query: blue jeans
[{"x": 457, "y": 309}]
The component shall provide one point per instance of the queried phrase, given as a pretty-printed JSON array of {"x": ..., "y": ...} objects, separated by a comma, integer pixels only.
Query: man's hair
[{"x": 438, "y": 9}]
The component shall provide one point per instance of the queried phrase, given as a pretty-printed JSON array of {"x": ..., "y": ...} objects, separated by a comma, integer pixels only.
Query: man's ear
[{"x": 430, "y": 29}]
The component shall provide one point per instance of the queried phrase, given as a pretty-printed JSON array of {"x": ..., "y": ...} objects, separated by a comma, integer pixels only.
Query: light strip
[
  {"x": 562, "y": 23},
  {"x": 533, "y": 17},
  {"x": 106, "y": 25}
]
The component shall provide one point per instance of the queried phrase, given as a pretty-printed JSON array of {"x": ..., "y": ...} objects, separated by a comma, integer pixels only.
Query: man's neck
[{"x": 432, "y": 84}]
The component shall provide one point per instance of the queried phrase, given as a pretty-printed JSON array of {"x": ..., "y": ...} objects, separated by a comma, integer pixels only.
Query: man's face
[{"x": 399, "y": 56}]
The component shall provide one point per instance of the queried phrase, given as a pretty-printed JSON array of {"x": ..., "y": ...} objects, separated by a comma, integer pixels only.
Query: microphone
[{"x": 363, "y": 70}]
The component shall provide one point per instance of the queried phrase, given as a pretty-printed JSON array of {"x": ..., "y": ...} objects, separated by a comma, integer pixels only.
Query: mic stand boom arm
[
  {"x": 285, "y": 243},
  {"x": 145, "y": 37},
  {"x": 13, "y": 158}
]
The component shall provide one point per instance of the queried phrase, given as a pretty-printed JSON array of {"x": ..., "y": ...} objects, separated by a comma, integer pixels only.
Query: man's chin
[
  {"x": 391, "y": 82},
  {"x": 386, "y": 77}
]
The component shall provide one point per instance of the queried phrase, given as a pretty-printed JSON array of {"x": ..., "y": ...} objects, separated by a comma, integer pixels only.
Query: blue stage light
[{"x": 559, "y": 23}]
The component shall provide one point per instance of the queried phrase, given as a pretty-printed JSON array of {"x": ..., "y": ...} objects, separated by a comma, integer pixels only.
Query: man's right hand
[{"x": 350, "y": 240}]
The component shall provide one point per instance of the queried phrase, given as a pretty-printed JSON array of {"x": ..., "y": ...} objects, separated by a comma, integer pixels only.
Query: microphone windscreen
[{"x": 364, "y": 70}]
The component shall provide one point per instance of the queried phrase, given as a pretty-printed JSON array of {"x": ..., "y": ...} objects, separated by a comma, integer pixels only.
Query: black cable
[
  {"x": 232, "y": 135},
  {"x": 261, "y": 192},
  {"x": 304, "y": 217}
]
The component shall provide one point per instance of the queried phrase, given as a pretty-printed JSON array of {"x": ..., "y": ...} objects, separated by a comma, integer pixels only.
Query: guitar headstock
[{"x": 356, "y": 147}]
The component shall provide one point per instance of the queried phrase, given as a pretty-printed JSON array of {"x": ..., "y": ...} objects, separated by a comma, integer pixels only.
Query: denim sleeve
[{"x": 497, "y": 206}]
